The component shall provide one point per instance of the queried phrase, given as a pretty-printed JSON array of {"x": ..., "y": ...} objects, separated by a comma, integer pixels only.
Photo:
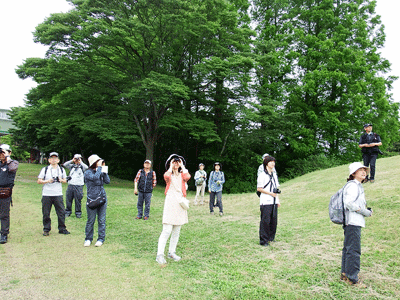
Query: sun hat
[
  {"x": 77, "y": 156},
  {"x": 93, "y": 158},
  {"x": 53, "y": 154},
  {"x": 5, "y": 147},
  {"x": 168, "y": 161},
  {"x": 265, "y": 155},
  {"x": 355, "y": 166}
]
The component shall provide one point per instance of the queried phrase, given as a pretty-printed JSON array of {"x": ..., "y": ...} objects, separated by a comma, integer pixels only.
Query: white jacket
[{"x": 354, "y": 201}]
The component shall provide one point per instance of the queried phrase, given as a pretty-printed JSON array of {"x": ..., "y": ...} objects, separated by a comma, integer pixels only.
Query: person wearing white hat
[
  {"x": 200, "y": 178},
  {"x": 95, "y": 178},
  {"x": 355, "y": 211},
  {"x": 145, "y": 181},
  {"x": 52, "y": 176},
  {"x": 75, "y": 185},
  {"x": 8, "y": 170}
]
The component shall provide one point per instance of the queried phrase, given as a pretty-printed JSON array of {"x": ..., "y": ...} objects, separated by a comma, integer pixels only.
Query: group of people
[
  {"x": 95, "y": 176},
  {"x": 175, "y": 207}
]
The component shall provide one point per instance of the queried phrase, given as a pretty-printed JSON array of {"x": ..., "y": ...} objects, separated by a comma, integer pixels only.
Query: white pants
[
  {"x": 200, "y": 189},
  {"x": 169, "y": 230}
]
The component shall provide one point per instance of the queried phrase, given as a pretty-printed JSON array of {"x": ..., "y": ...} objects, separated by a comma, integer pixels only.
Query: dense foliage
[{"x": 131, "y": 80}]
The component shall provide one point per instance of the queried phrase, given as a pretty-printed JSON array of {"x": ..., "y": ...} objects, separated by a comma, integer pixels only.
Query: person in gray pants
[
  {"x": 145, "y": 181},
  {"x": 75, "y": 185}
]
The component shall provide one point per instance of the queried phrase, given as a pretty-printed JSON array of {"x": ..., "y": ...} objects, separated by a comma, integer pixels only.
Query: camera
[
  {"x": 56, "y": 179},
  {"x": 276, "y": 191},
  {"x": 69, "y": 178}
]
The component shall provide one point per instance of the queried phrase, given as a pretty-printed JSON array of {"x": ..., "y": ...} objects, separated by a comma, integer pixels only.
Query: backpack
[{"x": 336, "y": 207}]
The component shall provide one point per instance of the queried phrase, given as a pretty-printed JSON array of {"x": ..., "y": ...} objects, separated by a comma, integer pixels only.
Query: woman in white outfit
[
  {"x": 174, "y": 215},
  {"x": 200, "y": 178}
]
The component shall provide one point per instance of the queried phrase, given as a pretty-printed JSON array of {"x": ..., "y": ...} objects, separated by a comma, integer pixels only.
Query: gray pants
[
  {"x": 74, "y": 191},
  {"x": 219, "y": 201},
  {"x": 146, "y": 198},
  {"x": 5, "y": 215},
  {"x": 351, "y": 252}
]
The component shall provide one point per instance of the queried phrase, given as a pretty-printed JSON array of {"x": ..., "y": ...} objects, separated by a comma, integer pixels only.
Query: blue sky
[{"x": 19, "y": 19}]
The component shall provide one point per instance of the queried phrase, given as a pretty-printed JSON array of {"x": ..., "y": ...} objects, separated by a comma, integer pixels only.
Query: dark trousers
[
  {"x": 370, "y": 160},
  {"x": 100, "y": 212},
  {"x": 146, "y": 198},
  {"x": 268, "y": 223},
  {"x": 74, "y": 191},
  {"x": 219, "y": 201},
  {"x": 351, "y": 252},
  {"x": 47, "y": 202},
  {"x": 5, "y": 215}
]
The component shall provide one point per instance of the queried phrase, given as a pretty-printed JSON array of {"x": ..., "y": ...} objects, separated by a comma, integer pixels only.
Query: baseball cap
[
  {"x": 5, "y": 147},
  {"x": 77, "y": 156},
  {"x": 53, "y": 154},
  {"x": 366, "y": 125},
  {"x": 147, "y": 161}
]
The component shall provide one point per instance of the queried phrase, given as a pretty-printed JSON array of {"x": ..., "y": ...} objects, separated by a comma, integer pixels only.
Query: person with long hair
[
  {"x": 355, "y": 211},
  {"x": 95, "y": 178},
  {"x": 174, "y": 215}
]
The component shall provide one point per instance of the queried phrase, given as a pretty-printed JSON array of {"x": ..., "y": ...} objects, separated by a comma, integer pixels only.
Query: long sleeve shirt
[
  {"x": 94, "y": 182},
  {"x": 216, "y": 181}
]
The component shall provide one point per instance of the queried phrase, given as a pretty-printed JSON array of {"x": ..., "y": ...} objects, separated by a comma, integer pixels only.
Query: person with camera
[
  {"x": 95, "y": 178},
  {"x": 215, "y": 185},
  {"x": 175, "y": 207},
  {"x": 145, "y": 181},
  {"x": 200, "y": 178},
  {"x": 267, "y": 185},
  {"x": 8, "y": 170},
  {"x": 75, "y": 185},
  {"x": 369, "y": 144},
  {"x": 355, "y": 213},
  {"x": 51, "y": 177}
]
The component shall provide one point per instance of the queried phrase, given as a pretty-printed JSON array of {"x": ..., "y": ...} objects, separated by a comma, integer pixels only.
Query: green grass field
[{"x": 221, "y": 258}]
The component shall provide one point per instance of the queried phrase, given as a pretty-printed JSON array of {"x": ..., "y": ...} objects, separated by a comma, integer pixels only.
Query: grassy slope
[{"x": 221, "y": 256}]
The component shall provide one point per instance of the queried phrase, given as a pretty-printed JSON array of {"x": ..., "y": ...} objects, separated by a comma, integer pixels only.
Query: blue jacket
[
  {"x": 94, "y": 182},
  {"x": 213, "y": 186}
]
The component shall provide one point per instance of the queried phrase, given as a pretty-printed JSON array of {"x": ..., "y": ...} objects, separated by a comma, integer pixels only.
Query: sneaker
[
  {"x": 78, "y": 216},
  {"x": 221, "y": 214},
  {"x": 160, "y": 259},
  {"x": 46, "y": 233},
  {"x": 138, "y": 218},
  {"x": 174, "y": 257},
  {"x": 87, "y": 243},
  {"x": 65, "y": 231},
  {"x": 98, "y": 244},
  {"x": 358, "y": 284},
  {"x": 372, "y": 180},
  {"x": 3, "y": 239},
  {"x": 145, "y": 218}
]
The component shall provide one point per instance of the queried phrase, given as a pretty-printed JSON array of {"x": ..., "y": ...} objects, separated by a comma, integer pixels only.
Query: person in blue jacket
[{"x": 215, "y": 185}]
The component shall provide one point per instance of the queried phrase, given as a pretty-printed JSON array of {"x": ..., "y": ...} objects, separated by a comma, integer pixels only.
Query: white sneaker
[
  {"x": 174, "y": 257},
  {"x": 98, "y": 243},
  {"x": 160, "y": 259},
  {"x": 87, "y": 243}
]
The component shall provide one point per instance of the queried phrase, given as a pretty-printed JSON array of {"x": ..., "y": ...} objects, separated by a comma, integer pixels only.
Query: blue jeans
[
  {"x": 219, "y": 201},
  {"x": 146, "y": 198},
  {"x": 101, "y": 219}
]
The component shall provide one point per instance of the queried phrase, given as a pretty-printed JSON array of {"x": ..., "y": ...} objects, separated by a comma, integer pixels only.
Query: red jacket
[{"x": 185, "y": 178}]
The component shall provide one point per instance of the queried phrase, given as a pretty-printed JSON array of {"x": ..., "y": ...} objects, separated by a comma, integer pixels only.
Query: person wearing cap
[
  {"x": 52, "y": 177},
  {"x": 269, "y": 201},
  {"x": 75, "y": 185},
  {"x": 215, "y": 185},
  {"x": 8, "y": 170},
  {"x": 174, "y": 215},
  {"x": 369, "y": 144},
  {"x": 200, "y": 178},
  {"x": 95, "y": 178},
  {"x": 145, "y": 181},
  {"x": 355, "y": 213}
]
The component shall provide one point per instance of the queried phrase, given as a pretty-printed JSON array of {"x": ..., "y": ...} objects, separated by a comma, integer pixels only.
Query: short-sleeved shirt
[{"x": 55, "y": 188}]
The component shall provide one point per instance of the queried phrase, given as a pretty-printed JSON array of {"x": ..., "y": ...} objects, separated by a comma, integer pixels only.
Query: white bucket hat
[
  {"x": 93, "y": 158},
  {"x": 355, "y": 166}
]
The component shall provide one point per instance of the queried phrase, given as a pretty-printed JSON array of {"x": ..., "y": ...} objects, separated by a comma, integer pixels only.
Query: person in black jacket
[
  {"x": 369, "y": 144},
  {"x": 145, "y": 181},
  {"x": 8, "y": 170}
]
